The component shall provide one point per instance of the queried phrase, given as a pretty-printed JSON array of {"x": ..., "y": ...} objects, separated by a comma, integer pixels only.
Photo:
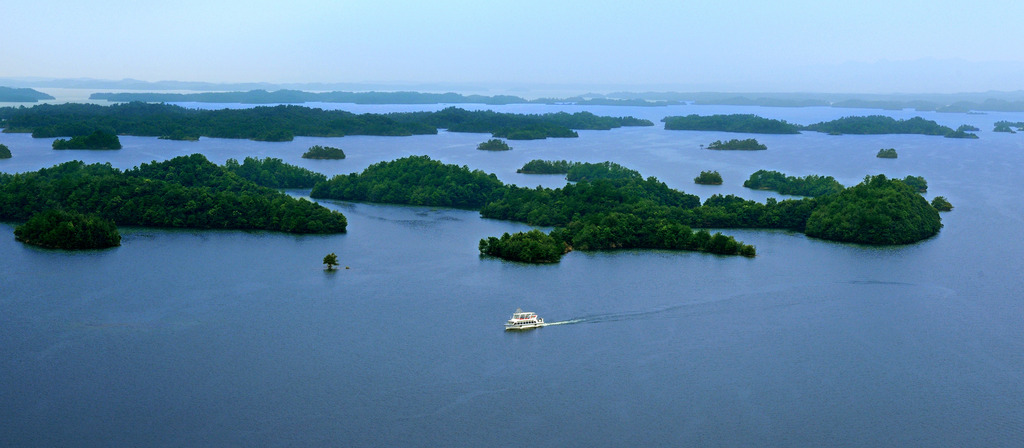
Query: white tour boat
[{"x": 522, "y": 320}]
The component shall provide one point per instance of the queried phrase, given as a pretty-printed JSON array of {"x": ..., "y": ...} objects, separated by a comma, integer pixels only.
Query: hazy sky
[{"x": 815, "y": 45}]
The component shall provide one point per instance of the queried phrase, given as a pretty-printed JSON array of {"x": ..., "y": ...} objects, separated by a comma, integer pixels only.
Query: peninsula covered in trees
[
  {"x": 59, "y": 229},
  {"x": 855, "y": 214},
  {"x": 96, "y": 140},
  {"x": 323, "y": 152},
  {"x": 748, "y": 144},
  {"x": 746, "y": 123},
  {"x": 282, "y": 123},
  {"x": 5, "y": 152},
  {"x": 185, "y": 192},
  {"x": 22, "y": 95},
  {"x": 811, "y": 185}
]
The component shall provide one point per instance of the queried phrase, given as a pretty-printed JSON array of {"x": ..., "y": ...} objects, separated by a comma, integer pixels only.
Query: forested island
[
  {"x": 889, "y": 153},
  {"x": 323, "y": 152},
  {"x": 746, "y": 123},
  {"x": 708, "y": 178},
  {"x": 811, "y": 185},
  {"x": 1007, "y": 126},
  {"x": 879, "y": 124},
  {"x": 22, "y": 95},
  {"x": 185, "y": 192},
  {"x": 59, "y": 229},
  {"x": 5, "y": 152},
  {"x": 748, "y": 144},
  {"x": 494, "y": 144},
  {"x": 283, "y": 123},
  {"x": 537, "y": 166},
  {"x": 96, "y": 140},
  {"x": 627, "y": 211}
]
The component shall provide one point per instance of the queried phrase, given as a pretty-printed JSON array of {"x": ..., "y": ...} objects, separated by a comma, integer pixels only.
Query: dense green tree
[
  {"x": 188, "y": 192},
  {"x": 887, "y": 153},
  {"x": 879, "y": 124},
  {"x": 274, "y": 173},
  {"x": 494, "y": 144},
  {"x": 282, "y": 123},
  {"x": 323, "y": 152},
  {"x": 941, "y": 204},
  {"x": 876, "y": 211},
  {"x": 61, "y": 229},
  {"x": 917, "y": 183},
  {"x": 746, "y": 123},
  {"x": 331, "y": 260},
  {"x": 531, "y": 247},
  {"x": 708, "y": 178},
  {"x": 811, "y": 185},
  {"x": 97, "y": 140},
  {"x": 748, "y": 144},
  {"x": 579, "y": 172},
  {"x": 5, "y": 152},
  {"x": 416, "y": 180},
  {"x": 538, "y": 166}
]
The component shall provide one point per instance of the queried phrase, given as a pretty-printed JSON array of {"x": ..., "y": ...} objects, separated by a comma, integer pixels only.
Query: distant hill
[{"x": 23, "y": 95}]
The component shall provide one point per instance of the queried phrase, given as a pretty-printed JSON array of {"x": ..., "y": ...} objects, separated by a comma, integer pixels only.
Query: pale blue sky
[{"x": 848, "y": 46}]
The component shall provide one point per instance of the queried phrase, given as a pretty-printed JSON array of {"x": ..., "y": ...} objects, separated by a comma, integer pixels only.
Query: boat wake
[{"x": 615, "y": 317}]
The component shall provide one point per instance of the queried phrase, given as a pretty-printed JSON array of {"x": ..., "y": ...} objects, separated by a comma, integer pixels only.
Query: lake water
[{"x": 230, "y": 338}]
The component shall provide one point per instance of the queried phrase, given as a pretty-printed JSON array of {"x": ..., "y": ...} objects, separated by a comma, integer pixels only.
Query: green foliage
[
  {"x": 323, "y": 152},
  {"x": 747, "y": 123},
  {"x": 282, "y": 123},
  {"x": 580, "y": 172},
  {"x": 97, "y": 140},
  {"x": 887, "y": 153},
  {"x": 5, "y": 152},
  {"x": 1007, "y": 126},
  {"x": 962, "y": 132},
  {"x": 708, "y": 178},
  {"x": 274, "y": 173},
  {"x": 530, "y": 247},
  {"x": 538, "y": 166},
  {"x": 189, "y": 192},
  {"x": 22, "y": 95},
  {"x": 735, "y": 144},
  {"x": 613, "y": 230},
  {"x": 494, "y": 144},
  {"x": 876, "y": 211},
  {"x": 557, "y": 207},
  {"x": 811, "y": 185},
  {"x": 415, "y": 180},
  {"x": 879, "y": 124},
  {"x": 941, "y": 204},
  {"x": 917, "y": 183},
  {"x": 59, "y": 229},
  {"x": 331, "y": 260}
]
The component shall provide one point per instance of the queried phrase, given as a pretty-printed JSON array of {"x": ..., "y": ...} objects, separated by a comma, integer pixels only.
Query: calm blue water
[{"x": 184, "y": 338}]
